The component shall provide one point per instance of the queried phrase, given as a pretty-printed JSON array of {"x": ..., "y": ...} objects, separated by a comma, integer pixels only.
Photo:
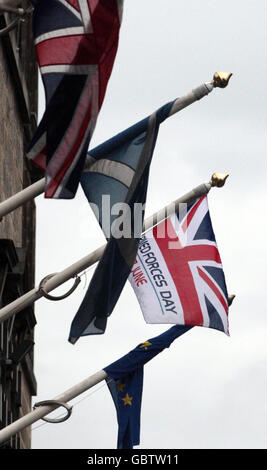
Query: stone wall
[
  {"x": 11, "y": 152},
  {"x": 18, "y": 115}
]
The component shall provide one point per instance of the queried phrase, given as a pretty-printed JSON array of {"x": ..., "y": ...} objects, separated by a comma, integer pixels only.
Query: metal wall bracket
[
  {"x": 20, "y": 13},
  {"x": 58, "y": 403},
  {"x": 61, "y": 297}
]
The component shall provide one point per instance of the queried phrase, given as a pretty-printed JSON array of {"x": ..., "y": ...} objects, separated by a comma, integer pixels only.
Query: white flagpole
[
  {"x": 54, "y": 281},
  {"x": 220, "y": 79},
  {"x": 22, "y": 197},
  {"x": 42, "y": 410}
]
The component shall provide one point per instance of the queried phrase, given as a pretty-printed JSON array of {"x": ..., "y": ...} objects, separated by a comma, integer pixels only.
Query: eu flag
[
  {"x": 125, "y": 382},
  {"x": 119, "y": 168}
]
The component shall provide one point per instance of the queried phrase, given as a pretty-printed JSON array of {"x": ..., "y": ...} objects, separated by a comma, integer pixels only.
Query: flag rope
[
  {"x": 75, "y": 404},
  {"x": 43, "y": 410},
  {"x": 45, "y": 423}
]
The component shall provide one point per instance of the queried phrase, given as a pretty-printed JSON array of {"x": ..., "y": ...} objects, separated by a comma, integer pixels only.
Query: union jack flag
[
  {"x": 76, "y": 43},
  {"x": 178, "y": 276}
]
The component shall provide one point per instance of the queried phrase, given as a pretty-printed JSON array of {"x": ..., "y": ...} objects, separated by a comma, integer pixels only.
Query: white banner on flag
[{"x": 178, "y": 276}]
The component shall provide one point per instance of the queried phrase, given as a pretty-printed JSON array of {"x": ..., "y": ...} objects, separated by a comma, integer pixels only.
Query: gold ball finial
[
  {"x": 218, "y": 179},
  {"x": 221, "y": 79},
  {"x": 230, "y": 299}
]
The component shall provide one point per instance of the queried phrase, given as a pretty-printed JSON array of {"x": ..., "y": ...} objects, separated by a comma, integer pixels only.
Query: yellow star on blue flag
[
  {"x": 127, "y": 400},
  {"x": 145, "y": 345},
  {"x": 125, "y": 382}
]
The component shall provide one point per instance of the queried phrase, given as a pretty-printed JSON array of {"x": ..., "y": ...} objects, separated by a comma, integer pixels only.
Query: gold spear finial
[
  {"x": 221, "y": 79},
  {"x": 218, "y": 179}
]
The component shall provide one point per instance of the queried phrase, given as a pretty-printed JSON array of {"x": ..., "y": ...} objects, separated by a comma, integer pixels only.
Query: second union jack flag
[
  {"x": 76, "y": 43},
  {"x": 178, "y": 276}
]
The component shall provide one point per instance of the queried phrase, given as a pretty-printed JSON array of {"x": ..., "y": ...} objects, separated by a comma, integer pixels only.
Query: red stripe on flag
[
  {"x": 40, "y": 159},
  {"x": 214, "y": 289},
  {"x": 191, "y": 214},
  {"x": 202, "y": 253},
  {"x": 177, "y": 263},
  {"x": 74, "y": 4},
  {"x": 67, "y": 50}
]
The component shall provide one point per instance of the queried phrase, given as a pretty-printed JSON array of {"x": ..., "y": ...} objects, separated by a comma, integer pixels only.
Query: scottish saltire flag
[
  {"x": 119, "y": 169},
  {"x": 125, "y": 382},
  {"x": 76, "y": 43},
  {"x": 178, "y": 275}
]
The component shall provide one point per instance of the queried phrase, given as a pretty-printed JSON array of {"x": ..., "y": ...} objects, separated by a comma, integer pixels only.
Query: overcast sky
[{"x": 208, "y": 390}]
